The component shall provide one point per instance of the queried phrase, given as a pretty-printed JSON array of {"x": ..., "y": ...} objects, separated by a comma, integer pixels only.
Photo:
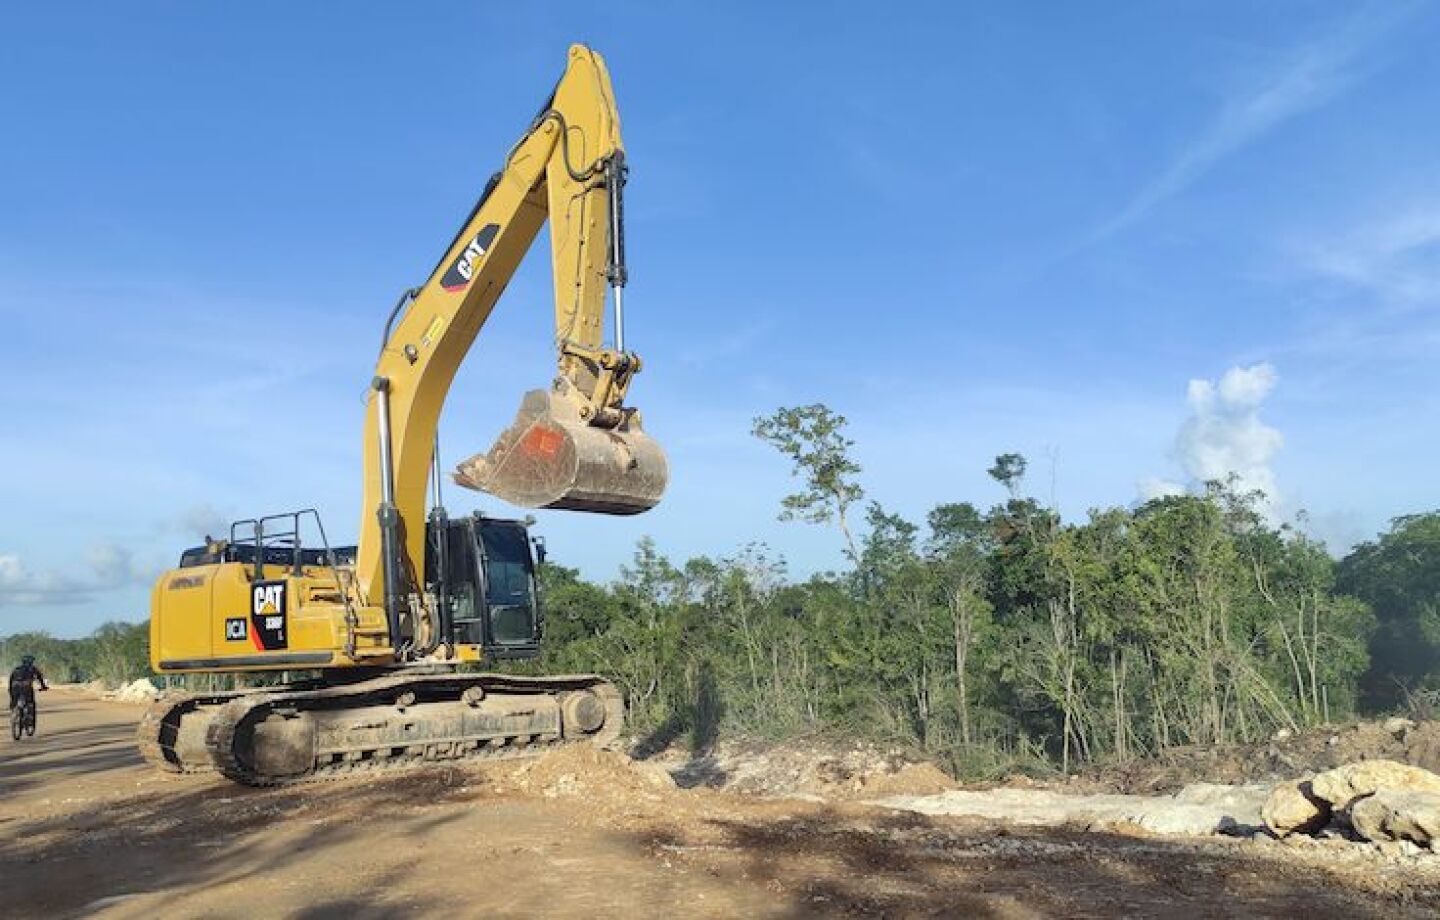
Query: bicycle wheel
[{"x": 17, "y": 723}]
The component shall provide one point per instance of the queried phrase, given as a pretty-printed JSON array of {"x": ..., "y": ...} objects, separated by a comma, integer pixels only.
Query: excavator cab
[{"x": 482, "y": 572}]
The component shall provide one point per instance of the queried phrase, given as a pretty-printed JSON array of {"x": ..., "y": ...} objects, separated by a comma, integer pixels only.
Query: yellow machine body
[{"x": 216, "y": 617}]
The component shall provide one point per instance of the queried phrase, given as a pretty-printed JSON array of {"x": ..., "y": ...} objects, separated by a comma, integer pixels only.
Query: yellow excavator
[{"x": 394, "y": 626}]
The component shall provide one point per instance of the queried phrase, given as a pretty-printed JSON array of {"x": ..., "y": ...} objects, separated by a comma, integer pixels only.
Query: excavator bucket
[{"x": 550, "y": 458}]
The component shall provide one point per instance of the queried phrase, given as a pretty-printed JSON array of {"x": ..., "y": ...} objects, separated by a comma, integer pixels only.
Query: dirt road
[{"x": 86, "y": 829}]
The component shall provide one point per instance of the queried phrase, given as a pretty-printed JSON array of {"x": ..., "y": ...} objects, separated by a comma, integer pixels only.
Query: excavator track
[
  {"x": 283, "y": 736},
  {"x": 171, "y": 734}
]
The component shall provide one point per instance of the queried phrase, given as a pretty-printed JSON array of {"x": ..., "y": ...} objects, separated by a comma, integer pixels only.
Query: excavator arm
[{"x": 576, "y": 445}]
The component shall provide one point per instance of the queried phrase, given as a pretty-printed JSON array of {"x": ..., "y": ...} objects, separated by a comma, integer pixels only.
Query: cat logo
[
  {"x": 458, "y": 276},
  {"x": 267, "y": 615},
  {"x": 269, "y": 597}
]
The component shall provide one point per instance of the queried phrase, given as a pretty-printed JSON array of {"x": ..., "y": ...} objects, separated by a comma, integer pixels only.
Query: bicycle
[{"x": 22, "y": 719}]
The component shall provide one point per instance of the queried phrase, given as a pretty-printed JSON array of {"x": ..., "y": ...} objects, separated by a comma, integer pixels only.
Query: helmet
[{"x": 27, "y": 659}]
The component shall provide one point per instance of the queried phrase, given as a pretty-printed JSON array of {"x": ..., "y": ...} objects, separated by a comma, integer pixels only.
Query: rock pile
[
  {"x": 1376, "y": 800},
  {"x": 137, "y": 691},
  {"x": 812, "y": 771},
  {"x": 1198, "y": 809}
]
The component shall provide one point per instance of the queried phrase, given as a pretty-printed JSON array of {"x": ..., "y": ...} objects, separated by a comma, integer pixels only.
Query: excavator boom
[{"x": 576, "y": 445}]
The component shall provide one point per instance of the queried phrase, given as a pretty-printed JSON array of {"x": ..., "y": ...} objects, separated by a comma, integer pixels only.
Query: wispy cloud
[
  {"x": 725, "y": 346},
  {"x": 1312, "y": 75},
  {"x": 1370, "y": 291},
  {"x": 1395, "y": 259}
]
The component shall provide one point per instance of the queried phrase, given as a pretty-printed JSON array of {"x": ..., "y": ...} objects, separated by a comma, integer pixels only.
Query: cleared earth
[{"x": 86, "y": 829}]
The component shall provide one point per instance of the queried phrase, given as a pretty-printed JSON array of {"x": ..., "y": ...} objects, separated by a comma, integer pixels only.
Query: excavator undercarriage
[{"x": 298, "y": 733}]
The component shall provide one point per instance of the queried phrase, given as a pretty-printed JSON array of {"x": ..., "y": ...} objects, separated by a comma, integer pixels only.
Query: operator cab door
[
  {"x": 490, "y": 585},
  {"x": 513, "y": 611}
]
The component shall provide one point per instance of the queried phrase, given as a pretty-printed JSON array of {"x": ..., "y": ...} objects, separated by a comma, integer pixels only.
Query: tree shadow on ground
[
  {"x": 660, "y": 738},
  {"x": 198, "y": 832},
  {"x": 66, "y": 752},
  {"x": 855, "y": 862},
  {"x": 700, "y": 720}
]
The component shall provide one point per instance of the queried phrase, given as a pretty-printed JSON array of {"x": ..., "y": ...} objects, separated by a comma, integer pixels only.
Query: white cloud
[
  {"x": 1153, "y": 487},
  {"x": 22, "y": 587},
  {"x": 1246, "y": 387},
  {"x": 12, "y": 571},
  {"x": 114, "y": 564},
  {"x": 108, "y": 566},
  {"x": 1340, "y": 531},
  {"x": 1224, "y": 435}
]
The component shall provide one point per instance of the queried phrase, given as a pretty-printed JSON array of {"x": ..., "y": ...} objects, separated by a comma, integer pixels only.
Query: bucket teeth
[{"x": 550, "y": 458}]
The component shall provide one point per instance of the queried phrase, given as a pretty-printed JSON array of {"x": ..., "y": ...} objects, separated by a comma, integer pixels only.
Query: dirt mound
[
  {"x": 1283, "y": 757},
  {"x": 910, "y": 779},
  {"x": 806, "y": 769},
  {"x": 585, "y": 771}
]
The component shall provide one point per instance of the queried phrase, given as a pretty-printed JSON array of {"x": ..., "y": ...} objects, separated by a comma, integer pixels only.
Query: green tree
[
  {"x": 814, "y": 440},
  {"x": 1398, "y": 575},
  {"x": 1009, "y": 471},
  {"x": 121, "y": 652},
  {"x": 958, "y": 550}
]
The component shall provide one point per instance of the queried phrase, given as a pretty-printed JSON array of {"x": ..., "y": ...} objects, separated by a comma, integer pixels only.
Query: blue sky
[{"x": 1136, "y": 242}]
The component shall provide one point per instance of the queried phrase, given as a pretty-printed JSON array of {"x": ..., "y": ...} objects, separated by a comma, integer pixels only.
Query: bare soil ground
[{"x": 87, "y": 829}]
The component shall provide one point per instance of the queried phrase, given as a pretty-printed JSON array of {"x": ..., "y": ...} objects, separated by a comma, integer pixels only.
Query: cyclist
[{"x": 22, "y": 682}]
